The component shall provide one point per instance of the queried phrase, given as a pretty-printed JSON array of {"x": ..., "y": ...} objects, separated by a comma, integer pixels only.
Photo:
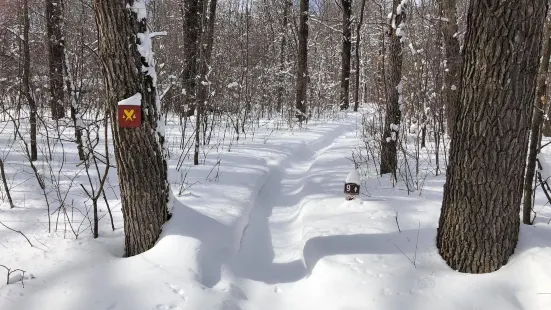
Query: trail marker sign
[
  {"x": 130, "y": 112},
  {"x": 352, "y": 185},
  {"x": 351, "y": 190}
]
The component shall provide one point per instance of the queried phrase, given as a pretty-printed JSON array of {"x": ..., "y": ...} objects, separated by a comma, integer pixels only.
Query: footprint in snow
[
  {"x": 230, "y": 305},
  {"x": 237, "y": 292},
  {"x": 178, "y": 291},
  {"x": 165, "y": 307}
]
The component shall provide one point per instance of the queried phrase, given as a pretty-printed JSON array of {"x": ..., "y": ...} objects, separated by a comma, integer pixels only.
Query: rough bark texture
[
  {"x": 392, "y": 114},
  {"x": 54, "y": 25},
  {"x": 192, "y": 11},
  {"x": 453, "y": 60},
  {"x": 302, "y": 72},
  {"x": 346, "y": 53},
  {"x": 479, "y": 221},
  {"x": 358, "y": 35},
  {"x": 142, "y": 168},
  {"x": 535, "y": 132},
  {"x": 26, "y": 87}
]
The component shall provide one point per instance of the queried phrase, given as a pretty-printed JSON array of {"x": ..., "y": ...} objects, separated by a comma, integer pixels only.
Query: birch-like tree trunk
[
  {"x": 346, "y": 54},
  {"x": 26, "y": 87},
  {"x": 453, "y": 60},
  {"x": 287, "y": 6},
  {"x": 393, "y": 113},
  {"x": 358, "y": 57},
  {"x": 302, "y": 60},
  {"x": 56, "y": 51}
]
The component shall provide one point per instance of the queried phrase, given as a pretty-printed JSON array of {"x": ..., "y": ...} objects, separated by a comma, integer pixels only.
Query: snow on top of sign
[
  {"x": 135, "y": 100},
  {"x": 353, "y": 177}
]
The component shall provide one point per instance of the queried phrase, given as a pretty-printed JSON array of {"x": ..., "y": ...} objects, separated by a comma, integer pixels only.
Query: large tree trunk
[
  {"x": 479, "y": 221},
  {"x": 535, "y": 132},
  {"x": 26, "y": 87},
  {"x": 142, "y": 168},
  {"x": 302, "y": 72},
  {"x": 393, "y": 113},
  {"x": 54, "y": 25},
  {"x": 453, "y": 60},
  {"x": 345, "y": 53},
  {"x": 358, "y": 28}
]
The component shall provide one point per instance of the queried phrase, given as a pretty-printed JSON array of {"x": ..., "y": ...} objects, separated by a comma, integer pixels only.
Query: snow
[
  {"x": 158, "y": 34},
  {"x": 401, "y": 6},
  {"x": 135, "y": 100},
  {"x": 233, "y": 85},
  {"x": 144, "y": 48},
  {"x": 545, "y": 170},
  {"x": 139, "y": 7},
  {"x": 353, "y": 177},
  {"x": 273, "y": 232}
]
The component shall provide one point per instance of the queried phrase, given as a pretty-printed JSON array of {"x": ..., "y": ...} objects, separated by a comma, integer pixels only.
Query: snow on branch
[{"x": 139, "y": 8}]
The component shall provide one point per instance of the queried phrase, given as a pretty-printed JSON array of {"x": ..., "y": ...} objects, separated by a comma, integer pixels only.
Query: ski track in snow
[{"x": 282, "y": 194}]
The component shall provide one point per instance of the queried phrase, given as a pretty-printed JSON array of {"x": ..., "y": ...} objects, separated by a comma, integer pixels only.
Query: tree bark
[
  {"x": 302, "y": 72},
  {"x": 142, "y": 168},
  {"x": 54, "y": 25},
  {"x": 346, "y": 54},
  {"x": 479, "y": 221},
  {"x": 76, "y": 114},
  {"x": 206, "y": 54},
  {"x": 26, "y": 87},
  {"x": 287, "y": 5},
  {"x": 358, "y": 57},
  {"x": 193, "y": 12},
  {"x": 393, "y": 111},
  {"x": 5, "y": 184},
  {"x": 540, "y": 105},
  {"x": 453, "y": 60}
]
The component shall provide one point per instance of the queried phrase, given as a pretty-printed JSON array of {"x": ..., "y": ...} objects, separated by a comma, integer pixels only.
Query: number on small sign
[{"x": 351, "y": 188}]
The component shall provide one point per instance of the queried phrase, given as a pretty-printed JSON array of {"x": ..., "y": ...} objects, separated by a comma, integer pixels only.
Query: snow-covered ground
[{"x": 269, "y": 229}]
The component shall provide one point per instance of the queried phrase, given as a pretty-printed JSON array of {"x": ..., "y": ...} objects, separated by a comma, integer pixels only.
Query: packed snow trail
[{"x": 277, "y": 212}]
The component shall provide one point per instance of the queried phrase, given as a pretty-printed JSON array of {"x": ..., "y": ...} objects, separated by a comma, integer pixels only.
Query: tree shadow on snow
[{"x": 317, "y": 248}]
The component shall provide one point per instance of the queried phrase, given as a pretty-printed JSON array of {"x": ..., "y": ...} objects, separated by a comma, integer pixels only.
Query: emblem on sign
[
  {"x": 130, "y": 112},
  {"x": 129, "y": 115}
]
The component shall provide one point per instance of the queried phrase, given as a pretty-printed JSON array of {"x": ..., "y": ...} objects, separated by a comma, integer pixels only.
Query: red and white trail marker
[{"x": 130, "y": 112}]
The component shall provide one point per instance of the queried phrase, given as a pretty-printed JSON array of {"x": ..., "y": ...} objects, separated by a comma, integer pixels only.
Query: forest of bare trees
[{"x": 445, "y": 88}]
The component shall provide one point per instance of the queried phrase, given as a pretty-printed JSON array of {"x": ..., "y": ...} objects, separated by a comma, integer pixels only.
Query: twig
[
  {"x": 405, "y": 255},
  {"x": 10, "y": 271},
  {"x": 416, "y": 245},
  {"x": 397, "y": 224},
  {"x": 18, "y": 231}
]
